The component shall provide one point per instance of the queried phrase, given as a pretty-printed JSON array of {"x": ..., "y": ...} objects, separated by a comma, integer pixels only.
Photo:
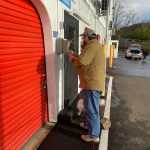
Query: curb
[{"x": 105, "y": 133}]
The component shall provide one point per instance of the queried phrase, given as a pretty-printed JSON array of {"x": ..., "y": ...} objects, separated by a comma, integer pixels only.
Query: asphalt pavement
[
  {"x": 130, "y": 112},
  {"x": 139, "y": 68}
]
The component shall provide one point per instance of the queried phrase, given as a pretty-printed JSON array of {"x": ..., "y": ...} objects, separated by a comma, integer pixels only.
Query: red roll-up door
[{"x": 23, "y": 100}]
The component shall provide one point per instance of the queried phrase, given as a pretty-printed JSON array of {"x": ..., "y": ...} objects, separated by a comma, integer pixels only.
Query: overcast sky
[{"x": 141, "y": 7}]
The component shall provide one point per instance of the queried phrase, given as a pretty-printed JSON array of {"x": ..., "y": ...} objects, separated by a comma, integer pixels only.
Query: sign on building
[{"x": 67, "y": 3}]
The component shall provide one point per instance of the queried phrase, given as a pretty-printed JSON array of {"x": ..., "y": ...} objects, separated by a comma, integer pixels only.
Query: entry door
[
  {"x": 71, "y": 31},
  {"x": 23, "y": 98}
]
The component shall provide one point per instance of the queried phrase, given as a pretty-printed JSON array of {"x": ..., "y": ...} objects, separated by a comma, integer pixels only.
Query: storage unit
[{"x": 23, "y": 97}]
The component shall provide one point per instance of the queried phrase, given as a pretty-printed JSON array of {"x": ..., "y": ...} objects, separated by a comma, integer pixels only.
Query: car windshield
[{"x": 135, "y": 50}]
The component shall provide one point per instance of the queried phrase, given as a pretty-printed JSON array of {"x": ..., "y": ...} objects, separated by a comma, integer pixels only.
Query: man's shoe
[{"x": 88, "y": 138}]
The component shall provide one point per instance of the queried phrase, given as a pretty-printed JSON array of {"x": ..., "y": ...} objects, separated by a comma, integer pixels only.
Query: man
[{"x": 90, "y": 64}]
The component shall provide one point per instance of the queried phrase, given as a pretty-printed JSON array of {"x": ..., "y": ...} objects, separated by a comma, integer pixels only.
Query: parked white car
[{"x": 134, "y": 52}]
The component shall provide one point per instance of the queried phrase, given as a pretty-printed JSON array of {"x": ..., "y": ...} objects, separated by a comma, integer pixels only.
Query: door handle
[{"x": 44, "y": 84}]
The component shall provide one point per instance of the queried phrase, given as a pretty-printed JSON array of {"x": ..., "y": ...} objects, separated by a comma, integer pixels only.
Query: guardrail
[{"x": 105, "y": 133}]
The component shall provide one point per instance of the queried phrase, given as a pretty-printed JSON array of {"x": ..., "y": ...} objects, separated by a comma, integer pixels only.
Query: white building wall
[
  {"x": 84, "y": 11},
  {"x": 88, "y": 15}
]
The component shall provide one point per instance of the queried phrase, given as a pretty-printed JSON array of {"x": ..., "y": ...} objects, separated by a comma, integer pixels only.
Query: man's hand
[
  {"x": 74, "y": 58},
  {"x": 71, "y": 55}
]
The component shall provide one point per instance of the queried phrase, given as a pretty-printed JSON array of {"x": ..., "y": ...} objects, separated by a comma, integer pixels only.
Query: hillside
[{"x": 139, "y": 33}]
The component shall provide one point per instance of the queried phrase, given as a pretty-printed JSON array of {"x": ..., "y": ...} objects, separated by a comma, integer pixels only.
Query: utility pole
[{"x": 107, "y": 20}]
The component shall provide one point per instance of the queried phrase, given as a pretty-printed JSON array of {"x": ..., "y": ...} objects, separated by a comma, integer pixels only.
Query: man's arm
[
  {"x": 74, "y": 58},
  {"x": 84, "y": 58},
  {"x": 88, "y": 55}
]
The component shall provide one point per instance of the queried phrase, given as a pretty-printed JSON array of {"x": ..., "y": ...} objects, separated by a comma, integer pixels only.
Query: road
[{"x": 130, "y": 113}]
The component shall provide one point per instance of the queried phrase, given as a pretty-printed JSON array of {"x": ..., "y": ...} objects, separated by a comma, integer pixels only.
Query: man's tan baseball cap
[{"x": 88, "y": 32}]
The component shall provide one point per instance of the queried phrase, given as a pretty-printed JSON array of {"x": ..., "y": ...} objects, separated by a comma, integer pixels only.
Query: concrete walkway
[
  {"x": 68, "y": 138},
  {"x": 60, "y": 139}
]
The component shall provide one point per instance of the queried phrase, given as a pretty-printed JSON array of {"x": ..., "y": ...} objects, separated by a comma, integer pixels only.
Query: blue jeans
[{"x": 92, "y": 100}]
